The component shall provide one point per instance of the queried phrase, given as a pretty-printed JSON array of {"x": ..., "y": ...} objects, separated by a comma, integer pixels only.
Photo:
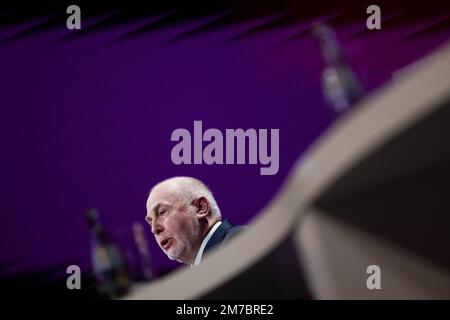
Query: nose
[{"x": 157, "y": 228}]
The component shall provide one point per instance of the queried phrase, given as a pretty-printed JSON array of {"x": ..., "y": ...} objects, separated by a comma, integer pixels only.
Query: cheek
[
  {"x": 174, "y": 227},
  {"x": 182, "y": 229}
]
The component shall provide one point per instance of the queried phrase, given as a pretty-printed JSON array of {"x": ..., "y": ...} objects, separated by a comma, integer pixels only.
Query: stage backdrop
[{"x": 87, "y": 115}]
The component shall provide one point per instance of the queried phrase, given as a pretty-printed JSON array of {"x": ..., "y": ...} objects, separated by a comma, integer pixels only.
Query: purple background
[{"x": 87, "y": 123}]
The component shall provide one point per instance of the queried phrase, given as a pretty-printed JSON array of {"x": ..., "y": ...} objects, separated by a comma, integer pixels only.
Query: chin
[
  {"x": 173, "y": 256},
  {"x": 178, "y": 258}
]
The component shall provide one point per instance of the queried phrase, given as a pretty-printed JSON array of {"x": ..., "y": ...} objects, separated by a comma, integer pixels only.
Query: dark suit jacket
[{"x": 223, "y": 233}]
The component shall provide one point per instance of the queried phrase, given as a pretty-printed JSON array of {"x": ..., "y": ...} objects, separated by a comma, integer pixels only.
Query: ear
[{"x": 203, "y": 207}]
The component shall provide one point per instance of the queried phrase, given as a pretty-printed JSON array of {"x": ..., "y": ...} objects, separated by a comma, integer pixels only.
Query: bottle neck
[{"x": 99, "y": 234}]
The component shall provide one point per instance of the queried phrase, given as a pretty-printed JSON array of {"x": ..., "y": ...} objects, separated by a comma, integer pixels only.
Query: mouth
[{"x": 166, "y": 243}]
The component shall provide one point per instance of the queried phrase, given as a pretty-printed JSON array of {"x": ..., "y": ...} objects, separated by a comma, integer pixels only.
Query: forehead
[{"x": 161, "y": 195}]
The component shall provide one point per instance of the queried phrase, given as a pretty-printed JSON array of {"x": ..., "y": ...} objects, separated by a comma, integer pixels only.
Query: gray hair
[{"x": 190, "y": 189}]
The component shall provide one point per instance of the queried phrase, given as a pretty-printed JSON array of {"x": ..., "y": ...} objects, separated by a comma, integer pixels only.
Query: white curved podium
[{"x": 373, "y": 190}]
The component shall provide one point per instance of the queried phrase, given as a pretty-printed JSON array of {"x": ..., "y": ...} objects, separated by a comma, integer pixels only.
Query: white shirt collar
[{"x": 198, "y": 257}]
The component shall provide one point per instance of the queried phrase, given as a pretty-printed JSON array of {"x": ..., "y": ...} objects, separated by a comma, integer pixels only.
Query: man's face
[{"x": 174, "y": 224}]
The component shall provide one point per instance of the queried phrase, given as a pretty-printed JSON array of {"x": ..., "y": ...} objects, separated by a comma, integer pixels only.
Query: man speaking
[{"x": 185, "y": 219}]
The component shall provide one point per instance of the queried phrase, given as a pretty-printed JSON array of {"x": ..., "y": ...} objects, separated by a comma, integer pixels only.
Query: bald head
[
  {"x": 185, "y": 189},
  {"x": 181, "y": 211}
]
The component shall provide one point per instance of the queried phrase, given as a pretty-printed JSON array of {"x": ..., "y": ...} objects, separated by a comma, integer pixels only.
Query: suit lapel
[{"x": 218, "y": 235}]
